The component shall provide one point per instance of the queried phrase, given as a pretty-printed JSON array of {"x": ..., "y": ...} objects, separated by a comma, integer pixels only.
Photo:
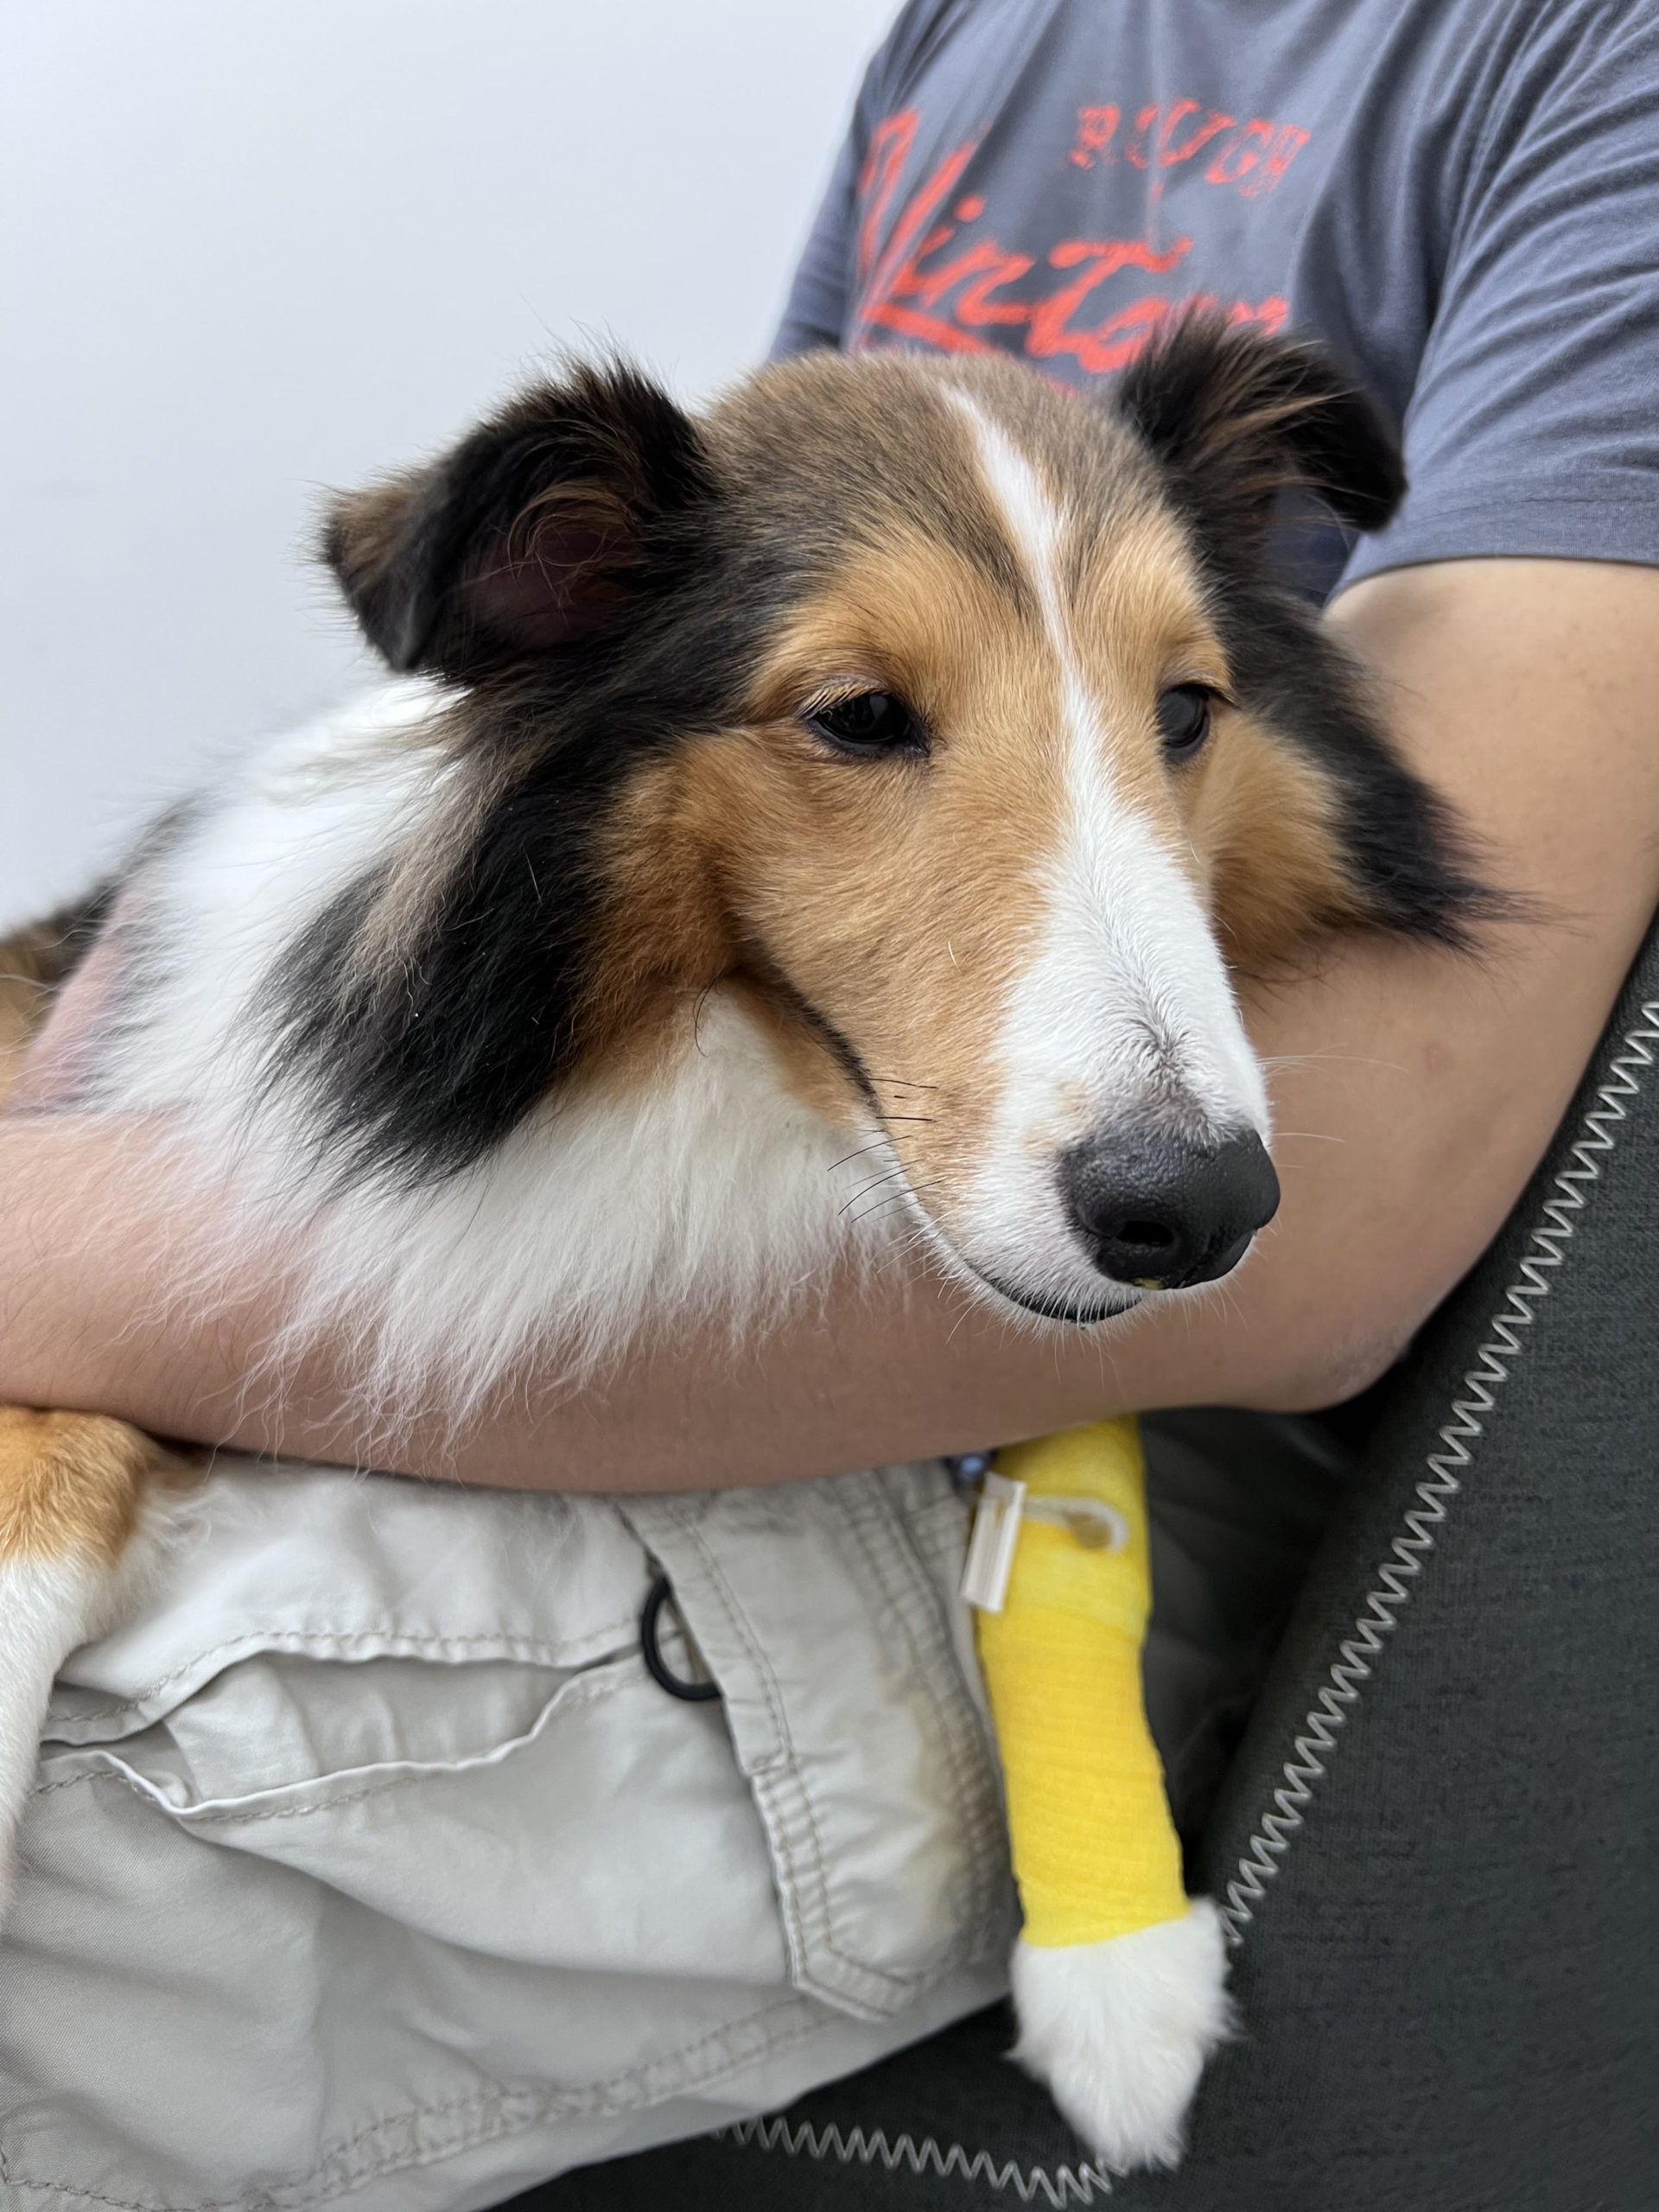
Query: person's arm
[{"x": 1415, "y": 1092}]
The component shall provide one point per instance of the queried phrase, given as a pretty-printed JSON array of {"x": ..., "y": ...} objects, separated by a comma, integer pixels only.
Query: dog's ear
[
  {"x": 553, "y": 522},
  {"x": 1237, "y": 418}
]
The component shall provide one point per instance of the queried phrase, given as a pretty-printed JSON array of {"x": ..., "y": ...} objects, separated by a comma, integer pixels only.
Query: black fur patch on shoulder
[
  {"x": 1234, "y": 418},
  {"x": 416, "y": 1068},
  {"x": 415, "y": 1071}
]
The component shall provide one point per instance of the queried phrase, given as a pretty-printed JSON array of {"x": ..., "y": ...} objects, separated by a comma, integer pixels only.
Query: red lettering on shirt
[
  {"x": 1099, "y": 259},
  {"x": 988, "y": 256},
  {"x": 1096, "y": 128},
  {"x": 1135, "y": 151},
  {"x": 929, "y": 281},
  {"x": 1269, "y": 315},
  {"x": 1258, "y": 157},
  {"x": 1287, "y": 143},
  {"x": 890, "y": 144},
  {"x": 976, "y": 305},
  {"x": 1253, "y": 161},
  {"x": 1212, "y": 126},
  {"x": 894, "y": 272}
]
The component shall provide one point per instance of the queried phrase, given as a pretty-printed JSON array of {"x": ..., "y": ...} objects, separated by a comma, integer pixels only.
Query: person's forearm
[
  {"x": 890, "y": 1372},
  {"x": 1414, "y": 1093}
]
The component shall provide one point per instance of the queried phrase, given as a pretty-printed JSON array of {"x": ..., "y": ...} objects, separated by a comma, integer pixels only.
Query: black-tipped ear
[
  {"x": 551, "y": 523},
  {"x": 1237, "y": 418}
]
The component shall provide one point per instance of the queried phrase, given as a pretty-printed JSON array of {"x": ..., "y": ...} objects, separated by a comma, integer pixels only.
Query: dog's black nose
[{"x": 1162, "y": 1211}]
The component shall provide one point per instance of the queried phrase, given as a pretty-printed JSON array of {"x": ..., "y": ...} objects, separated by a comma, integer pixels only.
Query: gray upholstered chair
[{"x": 1439, "y": 1840}]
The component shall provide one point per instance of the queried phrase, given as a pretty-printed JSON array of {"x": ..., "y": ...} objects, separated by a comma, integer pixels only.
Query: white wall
[{"x": 252, "y": 248}]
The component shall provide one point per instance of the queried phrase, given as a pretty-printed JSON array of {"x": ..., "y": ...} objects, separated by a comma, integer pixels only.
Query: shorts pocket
[
  {"x": 582, "y": 1822},
  {"x": 433, "y": 1702},
  {"x": 832, "y": 1635}
]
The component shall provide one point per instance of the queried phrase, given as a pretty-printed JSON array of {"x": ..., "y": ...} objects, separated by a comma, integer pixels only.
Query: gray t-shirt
[{"x": 1460, "y": 196}]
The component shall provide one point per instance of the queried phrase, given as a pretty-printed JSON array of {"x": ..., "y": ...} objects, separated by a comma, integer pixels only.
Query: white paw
[
  {"x": 43, "y": 1604},
  {"x": 1119, "y": 2031},
  {"x": 48, "y": 1607}
]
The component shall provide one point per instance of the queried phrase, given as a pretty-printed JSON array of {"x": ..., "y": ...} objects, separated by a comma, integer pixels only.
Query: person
[{"x": 1463, "y": 199}]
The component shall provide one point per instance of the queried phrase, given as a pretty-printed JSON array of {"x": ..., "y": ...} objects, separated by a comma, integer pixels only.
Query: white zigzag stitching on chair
[
  {"x": 1352, "y": 1667},
  {"x": 872, "y": 2147}
]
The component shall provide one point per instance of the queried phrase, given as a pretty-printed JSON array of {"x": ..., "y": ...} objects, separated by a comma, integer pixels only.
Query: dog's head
[{"x": 951, "y": 719}]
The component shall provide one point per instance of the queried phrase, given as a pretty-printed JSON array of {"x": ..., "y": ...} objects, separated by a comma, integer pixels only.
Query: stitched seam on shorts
[
  {"x": 766, "y": 1781},
  {"x": 781, "y": 1767},
  {"x": 969, "y": 1783},
  {"x": 542, "y": 2109},
  {"x": 968, "y": 1736},
  {"x": 892, "y": 1977},
  {"x": 579, "y": 1691},
  {"x": 523, "y": 1649},
  {"x": 89, "y": 1774}
]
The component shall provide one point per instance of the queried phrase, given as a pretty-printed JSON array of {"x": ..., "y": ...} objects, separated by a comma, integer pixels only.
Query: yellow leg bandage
[{"x": 1095, "y": 1850}]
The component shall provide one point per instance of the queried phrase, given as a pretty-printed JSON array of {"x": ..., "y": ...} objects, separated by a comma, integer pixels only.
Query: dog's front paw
[{"x": 1119, "y": 2031}]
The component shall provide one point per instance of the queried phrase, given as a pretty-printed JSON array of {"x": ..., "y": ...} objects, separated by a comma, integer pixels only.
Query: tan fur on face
[
  {"x": 900, "y": 899},
  {"x": 890, "y": 905},
  {"x": 1266, "y": 822},
  {"x": 894, "y": 897}
]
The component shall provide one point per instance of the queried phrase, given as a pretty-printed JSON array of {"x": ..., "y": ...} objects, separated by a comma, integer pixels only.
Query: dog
[{"x": 901, "y": 761}]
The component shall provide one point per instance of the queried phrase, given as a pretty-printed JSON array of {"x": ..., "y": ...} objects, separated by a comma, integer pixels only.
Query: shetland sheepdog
[{"x": 902, "y": 758}]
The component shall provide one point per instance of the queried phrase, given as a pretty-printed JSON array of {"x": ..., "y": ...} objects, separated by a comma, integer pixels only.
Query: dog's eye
[
  {"x": 1184, "y": 719},
  {"x": 870, "y": 722}
]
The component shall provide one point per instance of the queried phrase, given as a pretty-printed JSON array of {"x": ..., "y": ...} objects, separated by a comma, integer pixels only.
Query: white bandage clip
[{"x": 1002, "y": 1505}]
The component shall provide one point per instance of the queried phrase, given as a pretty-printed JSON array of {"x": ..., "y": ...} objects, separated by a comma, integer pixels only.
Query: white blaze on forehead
[{"x": 1125, "y": 1013}]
